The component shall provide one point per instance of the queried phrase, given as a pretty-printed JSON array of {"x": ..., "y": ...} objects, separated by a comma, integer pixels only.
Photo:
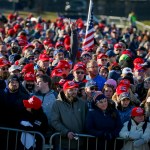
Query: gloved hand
[
  {"x": 138, "y": 143},
  {"x": 107, "y": 136},
  {"x": 26, "y": 123},
  {"x": 134, "y": 135}
]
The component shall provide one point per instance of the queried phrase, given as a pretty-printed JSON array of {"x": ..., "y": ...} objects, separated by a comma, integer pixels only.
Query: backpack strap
[
  {"x": 129, "y": 125},
  {"x": 143, "y": 127}
]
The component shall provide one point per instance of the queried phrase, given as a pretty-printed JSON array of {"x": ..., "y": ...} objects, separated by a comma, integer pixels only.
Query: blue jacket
[
  {"x": 99, "y": 123},
  {"x": 125, "y": 114}
]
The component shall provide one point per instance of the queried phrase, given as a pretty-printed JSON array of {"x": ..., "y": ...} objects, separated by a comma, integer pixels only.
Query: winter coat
[
  {"x": 137, "y": 133},
  {"x": 98, "y": 123},
  {"x": 14, "y": 107},
  {"x": 125, "y": 113},
  {"x": 47, "y": 101},
  {"x": 38, "y": 120},
  {"x": 68, "y": 117},
  {"x": 104, "y": 126}
]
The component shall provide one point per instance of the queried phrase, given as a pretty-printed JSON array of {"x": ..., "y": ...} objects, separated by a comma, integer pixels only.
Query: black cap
[
  {"x": 23, "y": 60},
  {"x": 13, "y": 78}
]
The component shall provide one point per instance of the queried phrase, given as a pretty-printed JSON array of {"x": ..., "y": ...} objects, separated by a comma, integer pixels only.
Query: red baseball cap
[
  {"x": 57, "y": 72},
  {"x": 3, "y": 62},
  {"x": 44, "y": 57},
  {"x": 63, "y": 64},
  {"x": 22, "y": 42},
  {"x": 79, "y": 65},
  {"x": 59, "y": 44},
  {"x": 46, "y": 42},
  {"x": 28, "y": 46},
  {"x": 117, "y": 45},
  {"x": 139, "y": 67},
  {"x": 125, "y": 82},
  {"x": 138, "y": 60},
  {"x": 39, "y": 27},
  {"x": 16, "y": 27},
  {"x": 62, "y": 82},
  {"x": 30, "y": 76},
  {"x": 137, "y": 111},
  {"x": 127, "y": 52},
  {"x": 28, "y": 68},
  {"x": 33, "y": 102},
  {"x": 11, "y": 32},
  {"x": 121, "y": 88},
  {"x": 101, "y": 55},
  {"x": 70, "y": 85}
]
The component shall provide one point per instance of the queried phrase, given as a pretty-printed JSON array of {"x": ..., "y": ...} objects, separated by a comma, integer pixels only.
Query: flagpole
[{"x": 88, "y": 41}]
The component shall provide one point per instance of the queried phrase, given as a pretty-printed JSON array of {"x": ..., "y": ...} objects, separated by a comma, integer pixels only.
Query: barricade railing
[
  {"x": 123, "y": 22},
  {"x": 16, "y": 139},
  {"x": 80, "y": 139}
]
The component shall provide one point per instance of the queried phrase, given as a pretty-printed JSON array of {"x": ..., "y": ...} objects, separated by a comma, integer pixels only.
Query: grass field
[
  {"x": 50, "y": 15},
  {"x": 45, "y": 15}
]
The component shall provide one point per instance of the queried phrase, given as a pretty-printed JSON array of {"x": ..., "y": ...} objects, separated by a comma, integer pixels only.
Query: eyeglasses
[
  {"x": 3, "y": 69},
  {"x": 31, "y": 58},
  {"x": 79, "y": 72},
  {"x": 147, "y": 82},
  {"x": 104, "y": 59},
  {"x": 118, "y": 49},
  {"x": 93, "y": 88}
]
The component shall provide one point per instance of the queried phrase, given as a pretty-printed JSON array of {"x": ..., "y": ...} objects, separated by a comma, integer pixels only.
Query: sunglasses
[
  {"x": 93, "y": 88},
  {"x": 79, "y": 72},
  {"x": 104, "y": 47},
  {"x": 104, "y": 59},
  {"x": 3, "y": 51}
]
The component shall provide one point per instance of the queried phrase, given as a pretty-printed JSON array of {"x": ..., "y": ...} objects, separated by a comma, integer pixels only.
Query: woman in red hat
[{"x": 136, "y": 131}]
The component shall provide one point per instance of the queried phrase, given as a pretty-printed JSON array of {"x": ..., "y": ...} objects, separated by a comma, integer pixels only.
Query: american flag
[{"x": 89, "y": 35}]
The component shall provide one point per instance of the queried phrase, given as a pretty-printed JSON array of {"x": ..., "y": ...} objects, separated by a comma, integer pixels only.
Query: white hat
[
  {"x": 127, "y": 70},
  {"x": 148, "y": 99},
  {"x": 13, "y": 68}
]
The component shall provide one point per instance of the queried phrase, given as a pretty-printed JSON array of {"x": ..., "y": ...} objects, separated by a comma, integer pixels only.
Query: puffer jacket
[
  {"x": 137, "y": 133},
  {"x": 125, "y": 113}
]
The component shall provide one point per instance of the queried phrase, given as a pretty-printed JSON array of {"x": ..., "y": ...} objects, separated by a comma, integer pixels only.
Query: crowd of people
[{"x": 49, "y": 83}]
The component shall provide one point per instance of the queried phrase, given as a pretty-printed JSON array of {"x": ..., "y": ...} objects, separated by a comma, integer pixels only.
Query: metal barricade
[
  {"x": 81, "y": 139},
  {"x": 16, "y": 139}
]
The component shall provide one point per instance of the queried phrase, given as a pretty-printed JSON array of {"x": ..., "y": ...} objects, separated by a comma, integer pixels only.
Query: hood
[{"x": 62, "y": 97}]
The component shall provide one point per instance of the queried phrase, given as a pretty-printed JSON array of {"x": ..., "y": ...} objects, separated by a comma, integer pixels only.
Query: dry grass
[{"x": 146, "y": 22}]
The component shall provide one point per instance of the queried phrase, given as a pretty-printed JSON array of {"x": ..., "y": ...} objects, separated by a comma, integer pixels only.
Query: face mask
[{"x": 29, "y": 87}]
